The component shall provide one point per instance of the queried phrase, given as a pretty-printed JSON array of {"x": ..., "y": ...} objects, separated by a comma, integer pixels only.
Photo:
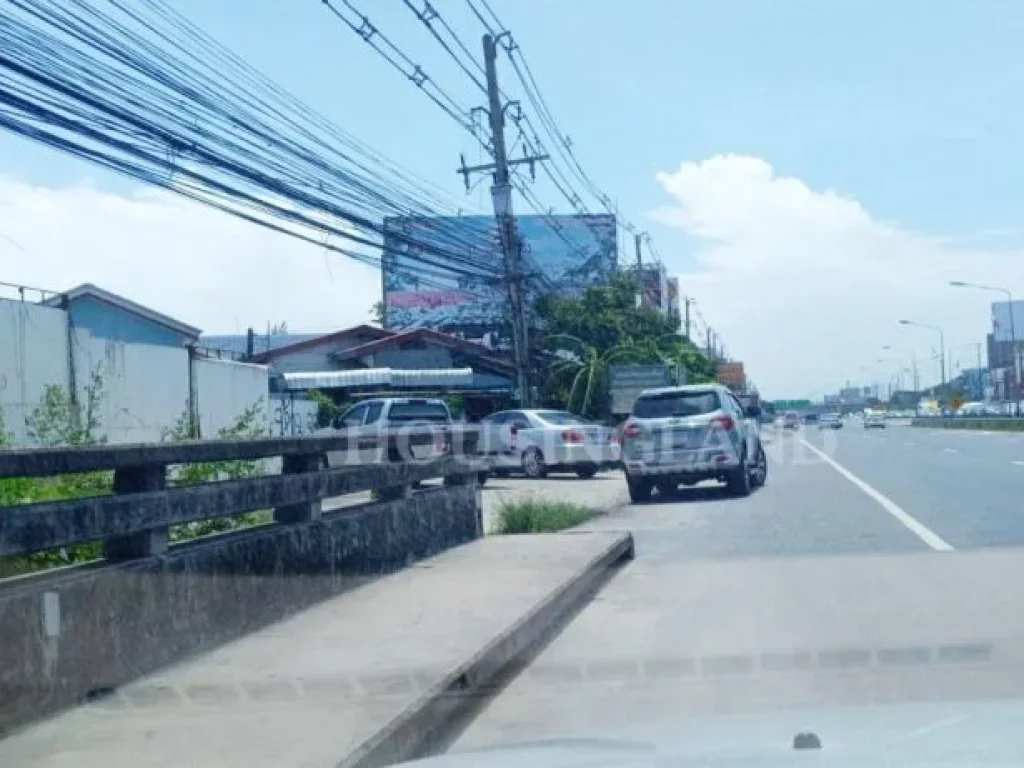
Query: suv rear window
[
  {"x": 435, "y": 413},
  {"x": 676, "y": 404}
]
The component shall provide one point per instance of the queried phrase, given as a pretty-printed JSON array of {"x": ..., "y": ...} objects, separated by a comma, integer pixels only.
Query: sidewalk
[{"x": 361, "y": 679}]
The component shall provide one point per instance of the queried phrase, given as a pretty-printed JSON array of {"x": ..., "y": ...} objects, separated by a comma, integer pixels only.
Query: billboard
[
  {"x": 626, "y": 382},
  {"x": 731, "y": 374},
  {"x": 1001, "y": 320},
  {"x": 560, "y": 254},
  {"x": 654, "y": 286}
]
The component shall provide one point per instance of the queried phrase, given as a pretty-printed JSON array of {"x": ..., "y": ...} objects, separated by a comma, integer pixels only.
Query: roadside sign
[
  {"x": 626, "y": 382},
  {"x": 789, "y": 405}
]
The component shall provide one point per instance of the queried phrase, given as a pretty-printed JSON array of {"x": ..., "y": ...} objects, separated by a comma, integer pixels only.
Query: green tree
[
  {"x": 377, "y": 313},
  {"x": 61, "y": 419},
  {"x": 581, "y": 337},
  {"x": 326, "y": 407},
  {"x": 249, "y": 423},
  {"x": 58, "y": 420}
]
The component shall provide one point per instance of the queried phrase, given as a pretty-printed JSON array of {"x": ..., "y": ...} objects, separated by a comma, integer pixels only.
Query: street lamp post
[
  {"x": 942, "y": 344},
  {"x": 1013, "y": 335}
]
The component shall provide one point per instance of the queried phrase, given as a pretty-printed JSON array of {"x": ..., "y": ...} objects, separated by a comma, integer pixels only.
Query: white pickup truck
[
  {"x": 536, "y": 442},
  {"x": 368, "y": 420}
]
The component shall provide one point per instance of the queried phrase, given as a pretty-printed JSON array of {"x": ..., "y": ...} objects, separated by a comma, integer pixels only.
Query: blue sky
[{"x": 912, "y": 109}]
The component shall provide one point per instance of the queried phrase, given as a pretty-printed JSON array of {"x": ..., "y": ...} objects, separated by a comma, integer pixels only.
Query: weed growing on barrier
[{"x": 541, "y": 516}]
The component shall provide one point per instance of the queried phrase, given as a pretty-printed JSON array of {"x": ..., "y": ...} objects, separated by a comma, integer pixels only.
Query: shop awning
[{"x": 379, "y": 377}]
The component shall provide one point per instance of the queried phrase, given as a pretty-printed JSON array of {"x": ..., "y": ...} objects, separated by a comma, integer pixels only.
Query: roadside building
[
  {"x": 106, "y": 315},
  {"x": 366, "y": 360}
]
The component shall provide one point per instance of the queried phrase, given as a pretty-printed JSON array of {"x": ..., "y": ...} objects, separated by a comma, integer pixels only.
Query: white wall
[
  {"x": 291, "y": 415},
  {"x": 145, "y": 387},
  {"x": 224, "y": 389},
  {"x": 33, "y": 355}
]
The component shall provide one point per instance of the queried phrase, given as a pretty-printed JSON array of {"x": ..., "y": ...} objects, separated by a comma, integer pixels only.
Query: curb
[{"x": 418, "y": 725}]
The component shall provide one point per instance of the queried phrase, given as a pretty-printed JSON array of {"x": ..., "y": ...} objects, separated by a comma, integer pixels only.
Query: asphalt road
[{"x": 875, "y": 567}]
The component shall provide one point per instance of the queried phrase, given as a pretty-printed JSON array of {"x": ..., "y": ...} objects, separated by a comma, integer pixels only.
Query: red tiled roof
[{"x": 371, "y": 330}]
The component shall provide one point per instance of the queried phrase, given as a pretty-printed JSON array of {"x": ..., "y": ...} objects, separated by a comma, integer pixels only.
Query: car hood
[{"x": 950, "y": 734}]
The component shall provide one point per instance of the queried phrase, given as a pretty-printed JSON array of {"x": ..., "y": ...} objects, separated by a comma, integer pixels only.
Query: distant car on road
[
  {"x": 830, "y": 421},
  {"x": 682, "y": 435},
  {"x": 811, "y": 418},
  {"x": 874, "y": 420},
  {"x": 790, "y": 421},
  {"x": 536, "y": 442}
]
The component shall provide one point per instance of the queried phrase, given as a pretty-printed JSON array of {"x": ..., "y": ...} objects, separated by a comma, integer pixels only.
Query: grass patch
[{"x": 540, "y": 516}]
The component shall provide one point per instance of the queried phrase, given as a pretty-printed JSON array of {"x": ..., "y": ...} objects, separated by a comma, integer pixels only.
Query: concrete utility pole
[
  {"x": 686, "y": 316},
  {"x": 508, "y": 232},
  {"x": 501, "y": 196}
]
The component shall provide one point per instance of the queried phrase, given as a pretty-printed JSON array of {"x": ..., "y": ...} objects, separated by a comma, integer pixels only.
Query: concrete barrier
[
  {"x": 1003, "y": 424},
  {"x": 77, "y": 633}
]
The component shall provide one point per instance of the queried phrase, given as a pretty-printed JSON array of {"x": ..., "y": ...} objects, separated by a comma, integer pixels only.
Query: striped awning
[{"x": 378, "y": 377}]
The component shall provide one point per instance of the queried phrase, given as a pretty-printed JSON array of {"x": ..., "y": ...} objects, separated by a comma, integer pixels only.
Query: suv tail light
[
  {"x": 723, "y": 422},
  {"x": 573, "y": 436},
  {"x": 632, "y": 429}
]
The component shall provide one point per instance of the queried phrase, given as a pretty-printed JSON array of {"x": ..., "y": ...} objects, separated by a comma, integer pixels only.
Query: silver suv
[{"x": 688, "y": 434}]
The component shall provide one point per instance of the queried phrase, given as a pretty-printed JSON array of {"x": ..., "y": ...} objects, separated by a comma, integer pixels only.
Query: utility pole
[
  {"x": 639, "y": 270},
  {"x": 686, "y": 316},
  {"x": 709, "y": 347},
  {"x": 501, "y": 197}
]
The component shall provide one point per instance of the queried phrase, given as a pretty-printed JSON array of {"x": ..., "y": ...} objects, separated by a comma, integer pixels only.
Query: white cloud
[
  {"x": 196, "y": 264},
  {"x": 806, "y": 286}
]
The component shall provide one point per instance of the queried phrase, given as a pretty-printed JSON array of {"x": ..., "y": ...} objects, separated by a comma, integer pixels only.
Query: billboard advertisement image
[{"x": 560, "y": 254}]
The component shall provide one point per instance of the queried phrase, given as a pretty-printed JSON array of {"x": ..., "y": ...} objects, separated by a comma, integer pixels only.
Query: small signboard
[{"x": 626, "y": 382}]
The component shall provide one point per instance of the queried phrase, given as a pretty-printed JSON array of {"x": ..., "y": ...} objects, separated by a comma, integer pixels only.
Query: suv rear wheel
[
  {"x": 639, "y": 489},
  {"x": 738, "y": 480},
  {"x": 759, "y": 472}
]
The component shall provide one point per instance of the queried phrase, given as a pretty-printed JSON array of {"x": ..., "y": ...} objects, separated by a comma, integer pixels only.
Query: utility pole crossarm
[{"x": 531, "y": 160}]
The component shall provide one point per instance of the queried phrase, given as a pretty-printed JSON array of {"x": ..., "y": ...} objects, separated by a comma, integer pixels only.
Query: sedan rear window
[
  {"x": 435, "y": 413},
  {"x": 669, "y": 404}
]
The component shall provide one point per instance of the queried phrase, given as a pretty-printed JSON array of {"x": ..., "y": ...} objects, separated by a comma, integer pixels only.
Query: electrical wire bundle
[{"x": 136, "y": 88}]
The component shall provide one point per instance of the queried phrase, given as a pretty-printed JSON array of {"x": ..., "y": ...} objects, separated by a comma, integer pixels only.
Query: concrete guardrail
[
  {"x": 995, "y": 424},
  {"x": 69, "y": 634}
]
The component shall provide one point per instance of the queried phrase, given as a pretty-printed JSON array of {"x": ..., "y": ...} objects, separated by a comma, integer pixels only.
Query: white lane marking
[
  {"x": 926, "y": 535},
  {"x": 1018, "y": 463},
  {"x": 910, "y": 444},
  {"x": 950, "y": 450},
  {"x": 937, "y": 725}
]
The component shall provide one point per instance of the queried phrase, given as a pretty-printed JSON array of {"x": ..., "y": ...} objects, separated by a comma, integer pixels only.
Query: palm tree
[{"x": 588, "y": 366}]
